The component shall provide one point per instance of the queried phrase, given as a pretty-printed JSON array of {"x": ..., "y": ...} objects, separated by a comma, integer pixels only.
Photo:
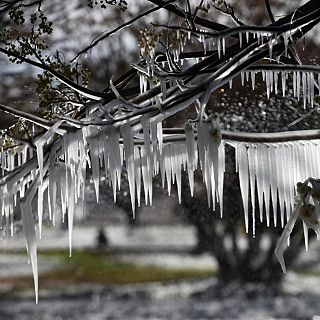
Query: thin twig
[{"x": 126, "y": 24}]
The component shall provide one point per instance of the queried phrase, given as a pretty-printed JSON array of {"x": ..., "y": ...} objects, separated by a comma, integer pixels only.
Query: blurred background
[{"x": 173, "y": 261}]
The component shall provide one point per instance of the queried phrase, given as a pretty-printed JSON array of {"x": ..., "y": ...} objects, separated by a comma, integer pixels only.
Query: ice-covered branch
[
  {"x": 41, "y": 122},
  {"x": 177, "y": 134}
]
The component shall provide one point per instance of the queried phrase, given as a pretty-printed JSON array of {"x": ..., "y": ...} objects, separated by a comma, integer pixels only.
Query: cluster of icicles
[
  {"x": 59, "y": 172},
  {"x": 303, "y": 83}
]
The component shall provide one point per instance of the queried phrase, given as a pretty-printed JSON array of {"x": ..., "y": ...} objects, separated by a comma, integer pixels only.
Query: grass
[
  {"x": 94, "y": 266},
  {"x": 101, "y": 268}
]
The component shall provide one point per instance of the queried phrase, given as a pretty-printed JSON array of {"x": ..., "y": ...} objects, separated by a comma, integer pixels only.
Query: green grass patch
[{"x": 104, "y": 268}]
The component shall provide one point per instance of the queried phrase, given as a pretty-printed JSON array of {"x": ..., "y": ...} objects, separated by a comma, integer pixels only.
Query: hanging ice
[
  {"x": 190, "y": 145},
  {"x": 94, "y": 141},
  {"x": 242, "y": 163},
  {"x": 29, "y": 232},
  {"x": 126, "y": 133}
]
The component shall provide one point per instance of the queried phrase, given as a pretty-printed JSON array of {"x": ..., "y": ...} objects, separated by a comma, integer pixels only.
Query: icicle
[
  {"x": 221, "y": 176},
  {"x": 273, "y": 183},
  {"x": 41, "y": 189},
  {"x": 137, "y": 168},
  {"x": 203, "y": 138},
  {"x": 242, "y": 78},
  {"x": 252, "y": 175},
  {"x": 259, "y": 174},
  {"x": 304, "y": 89},
  {"x": 253, "y": 78},
  {"x": 270, "y": 49},
  {"x": 214, "y": 143},
  {"x": 223, "y": 46},
  {"x": 266, "y": 186},
  {"x": 29, "y": 232},
  {"x": 177, "y": 169},
  {"x": 168, "y": 167},
  {"x": 71, "y": 207},
  {"x": 312, "y": 89},
  {"x": 308, "y": 87},
  {"x": 39, "y": 146},
  {"x": 145, "y": 174},
  {"x": 190, "y": 146},
  {"x": 206, "y": 177},
  {"x": 155, "y": 153},
  {"x": 204, "y": 45},
  {"x": 306, "y": 236},
  {"x": 219, "y": 47},
  {"x": 114, "y": 158},
  {"x": 271, "y": 79},
  {"x": 63, "y": 187},
  {"x": 281, "y": 180},
  {"x": 268, "y": 83},
  {"x": 275, "y": 76},
  {"x": 244, "y": 180},
  {"x": 294, "y": 84},
  {"x": 94, "y": 144},
  {"x": 298, "y": 85},
  {"x": 283, "y": 81},
  {"x": 128, "y": 143},
  {"x": 52, "y": 193},
  {"x": 160, "y": 136},
  {"x": 285, "y": 40}
]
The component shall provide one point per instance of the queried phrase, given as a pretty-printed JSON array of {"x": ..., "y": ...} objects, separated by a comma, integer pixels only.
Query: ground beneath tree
[
  {"x": 192, "y": 300},
  {"x": 187, "y": 300}
]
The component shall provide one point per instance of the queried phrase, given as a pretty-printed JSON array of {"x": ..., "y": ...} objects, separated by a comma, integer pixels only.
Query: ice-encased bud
[{"x": 215, "y": 130}]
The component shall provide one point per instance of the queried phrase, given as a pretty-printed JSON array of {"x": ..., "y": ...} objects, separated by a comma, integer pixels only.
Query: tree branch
[
  {"x": 270, "y": 11},
  {"x": 124, "y": 25},
  {"x": 46, "y": 124},
  {"x": 91, "y": 94}
]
